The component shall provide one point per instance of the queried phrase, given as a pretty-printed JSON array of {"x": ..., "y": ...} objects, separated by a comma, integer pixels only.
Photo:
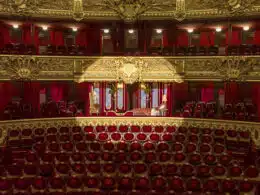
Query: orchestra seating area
[{"x": 132, "y": 160}]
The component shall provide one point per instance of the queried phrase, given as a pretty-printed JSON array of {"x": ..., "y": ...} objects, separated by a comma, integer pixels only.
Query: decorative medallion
[
  {"x": 78, "y": 13},
  {"x": 129, "y": 69}
]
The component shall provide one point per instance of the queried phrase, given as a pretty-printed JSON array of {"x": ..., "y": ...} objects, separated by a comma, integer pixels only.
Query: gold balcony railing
[
  {"x": 252, "y": 127},
  {"x": 130, "y": 69}
]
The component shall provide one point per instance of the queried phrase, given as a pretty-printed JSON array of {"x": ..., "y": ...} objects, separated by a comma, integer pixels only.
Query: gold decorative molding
[
  {"x": 253, "y": 128},
  {"x": 129, "y": 10},
  {"x": 232, "y": 7},
  {"x": 130, "y": 69}
]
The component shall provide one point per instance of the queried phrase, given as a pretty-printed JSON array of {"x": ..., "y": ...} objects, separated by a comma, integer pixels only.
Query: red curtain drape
[
  {"x": 148, "y": 36},
  {"x": 182, "y": 39},
  {"x": 27, "y": 34},
  {"x": 6, "y": 93},
  {"x": 32, "y": 94},
  {"x": 256, "y": 97},
  {"x": 207, "y": 92},
  {"x": 235, "y": 38},
  {"x": 94, "y": 41},
  {"x": 114, "y": 38},
  {"x": 165, "y": 40},
  {"x": 141, "y": 38},
  {"x": 102, "y": 89},
  {"x": 83, "y": 91},
  {"x": 81, "y": 38},
  {"x": 257, "y": 37},
  {"x": 5, "y": 35},
  {"x": 180, "y": 94},
  {"x": 170, "y": 99},
  {"x": 56, "y": 37},
  {"x": 207, "y": 38},
  {"x": 57, "y": 92},
  {"x": 36, "y": 39},
  {"x": 231, "y": 92}
]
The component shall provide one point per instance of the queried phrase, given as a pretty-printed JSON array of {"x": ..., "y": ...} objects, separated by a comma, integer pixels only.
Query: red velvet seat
[
  {"x": 193, "y": 184},
  {"x": 195, "y": 159},
  {"x": 142, "y": 184},
  {"x": 125, "y": 184},
  {"x": 91, "y": 182},
  {"x": 163, "y": 146},
  {"x": 211, "y": 185},
  {"x": 30, "y": 170},
  {"x": 116, "y": 136},
  {"x": 56, "y": 184},
  {"x": 77, "y": 169},
  {"x": 149, "y": 146},
  {"x": 219, "y": 170},
  {"x": 159, "y": 184},
  {"x": 125, "y": 168},
  {"x": 108, "y": 183},
  {"x": 187, "y": 170},
  {"x": 203, "y": 170},
  {"x": 176, "y": 184},
  {"x": 251, "y": 172},
  {"x": 190, "y": 148},
  {"x": 93, "y": 168},
  {"x": 235, "y": 171},
  {"x": 62, "y": 169},
  {"x": 92, "y": 156},
  {"x": 150, "y": 157},
  {"x": 228, "y": 186}
]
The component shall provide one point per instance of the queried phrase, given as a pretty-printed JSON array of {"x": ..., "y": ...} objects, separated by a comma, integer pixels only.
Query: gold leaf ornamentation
[
  {"x": 23, "y": 68},
  {"x": 234, "y": 68},
  {"x": 233, "y": 7},
  {"x": 131, "y": 10}
]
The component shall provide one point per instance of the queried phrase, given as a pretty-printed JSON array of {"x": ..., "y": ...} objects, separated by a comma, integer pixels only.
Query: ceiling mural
[{"x": 130, "y": 10}]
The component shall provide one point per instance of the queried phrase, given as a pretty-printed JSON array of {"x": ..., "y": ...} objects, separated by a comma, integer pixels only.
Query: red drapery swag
[
  {"x": 235, "y": 38},
  {"x": 6, "y": 93},
  {"x": 32, "y": 94},
  {"x": 182, "y": 39},
  {"x": 83, "y": 90},
  {"x": 170, "y": 100},
  {"x": 207, "y": 38},
  {"x": 27, "y": 34},
  {"x": 207, "y": 93},
  {"x": 256, "y": 97},
  {"x": 81, "y": 38},
  {"x": 56, "y": 37},
  {"x": 231, "y": 92},
  {"x": 5, "y": 35}
]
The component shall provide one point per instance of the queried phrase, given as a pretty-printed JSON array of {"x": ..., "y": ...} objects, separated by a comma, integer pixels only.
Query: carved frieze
[{"x": 130, "y": 69}]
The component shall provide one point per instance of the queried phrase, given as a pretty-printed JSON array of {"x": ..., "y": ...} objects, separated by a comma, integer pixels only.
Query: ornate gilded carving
[
  {"x": 234, "y": 68},
  {"x": 23, "y": 68},
  {"x": 78, "y": 13},
  {"x": 180, "y": 13},
  {"x": 130, "y": 69},
  {"x": 231, "y": 6},
  {"x": 131, "y": 10},
  {"x": 252, "y": 127}
]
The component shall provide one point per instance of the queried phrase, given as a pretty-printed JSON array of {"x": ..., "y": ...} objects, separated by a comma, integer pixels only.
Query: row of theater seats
[
  {"x": 240, "y": 111},
  {"x": 17, "y": 110},
  {"x": 168, "y": 51},
  {"x": 117, "y": 160}
]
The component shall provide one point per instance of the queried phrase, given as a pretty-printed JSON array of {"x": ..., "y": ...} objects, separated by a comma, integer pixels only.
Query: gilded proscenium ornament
[
  {"x": 234, "y": 68},
  {"x": 131, "y": 10},
  {"x": 252, "y": 127}
]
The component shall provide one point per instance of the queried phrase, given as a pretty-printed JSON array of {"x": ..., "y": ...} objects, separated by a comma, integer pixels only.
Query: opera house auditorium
[{"x": 129, "y": 97}]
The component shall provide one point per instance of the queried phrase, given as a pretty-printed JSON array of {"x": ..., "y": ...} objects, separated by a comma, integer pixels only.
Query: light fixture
[
  {"x": 15, "y": 26},
  {"x": 74, "y": 29},
  {"x": 246, "y": 28},
  {"x": 218, "y": 29},
  {"x": 131, "y": 31},
  {"x": 44, "y": 28},
  {"x": 190, "y": 30},
  {"x": 158, "y": 31},
  {"x": 106, "y": 31}
]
